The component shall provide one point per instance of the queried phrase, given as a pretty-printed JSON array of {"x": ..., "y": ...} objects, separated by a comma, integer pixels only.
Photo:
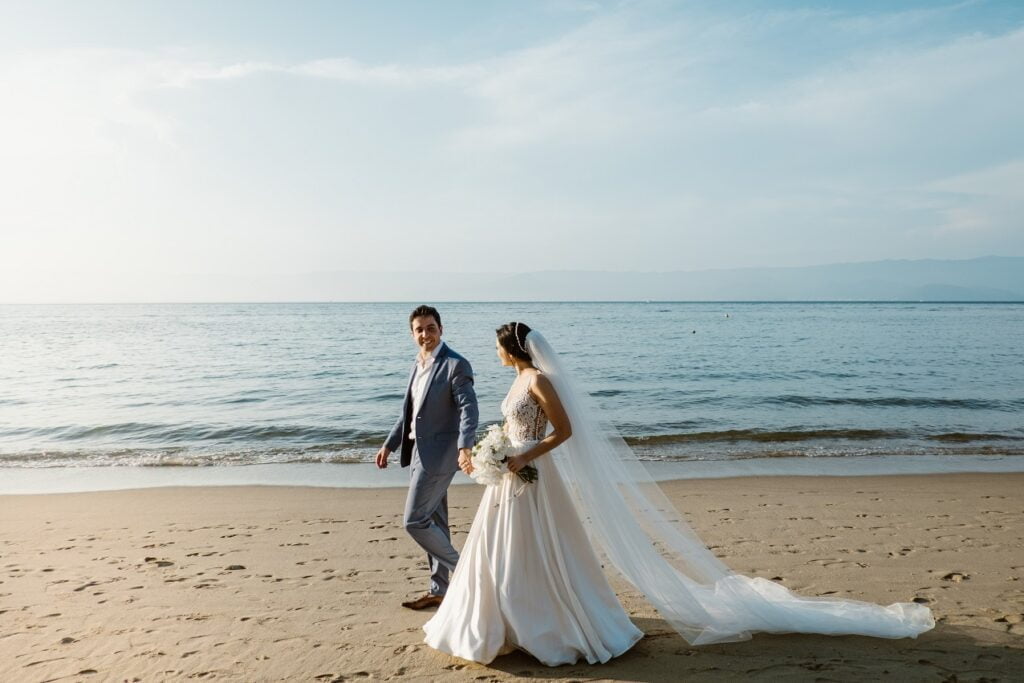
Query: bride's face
[{"x": 502, "y": 354}]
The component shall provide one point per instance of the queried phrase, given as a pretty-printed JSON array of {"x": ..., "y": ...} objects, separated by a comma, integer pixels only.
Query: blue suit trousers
[{"x": 426, "y": 520}]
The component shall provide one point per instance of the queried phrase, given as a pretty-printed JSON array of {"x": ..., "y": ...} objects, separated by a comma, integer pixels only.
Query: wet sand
[{"x": 293, "y": 583}]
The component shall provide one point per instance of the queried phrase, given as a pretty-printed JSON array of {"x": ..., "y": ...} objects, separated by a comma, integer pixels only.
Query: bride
[{"x": 529, "y": 578}]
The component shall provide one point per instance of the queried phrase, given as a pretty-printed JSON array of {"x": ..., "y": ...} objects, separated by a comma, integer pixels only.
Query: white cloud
[
  {"x": 1001, "y": 180},
  {"x": 986, "y": 202}
]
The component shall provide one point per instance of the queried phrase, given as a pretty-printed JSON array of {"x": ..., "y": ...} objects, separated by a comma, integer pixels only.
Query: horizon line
[{"x": 516, "y": 301}]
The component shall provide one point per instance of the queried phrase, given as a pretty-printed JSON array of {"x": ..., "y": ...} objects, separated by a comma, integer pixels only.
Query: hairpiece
[{"x": 518, "y": 340}]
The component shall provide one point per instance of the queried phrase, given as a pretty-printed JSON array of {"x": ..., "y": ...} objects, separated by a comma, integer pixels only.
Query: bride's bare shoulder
[
  {"x": 532, "y": 375},
  {"x": 539, "y": 383}
]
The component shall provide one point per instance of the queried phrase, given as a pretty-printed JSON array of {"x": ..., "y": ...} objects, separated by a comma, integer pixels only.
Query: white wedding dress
[{"x": 527, "y": 576}]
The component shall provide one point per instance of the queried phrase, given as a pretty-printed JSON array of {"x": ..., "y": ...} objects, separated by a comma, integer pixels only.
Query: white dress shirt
[{"x": 419, "y": 385}]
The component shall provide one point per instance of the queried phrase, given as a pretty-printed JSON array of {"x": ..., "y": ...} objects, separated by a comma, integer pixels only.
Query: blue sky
[{"x": 249, "y": 138}]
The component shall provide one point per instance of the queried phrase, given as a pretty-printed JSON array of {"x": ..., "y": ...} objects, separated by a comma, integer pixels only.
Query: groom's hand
[
  {"x": 465, "y": 460},
  {"x": 382, "y": 457}
]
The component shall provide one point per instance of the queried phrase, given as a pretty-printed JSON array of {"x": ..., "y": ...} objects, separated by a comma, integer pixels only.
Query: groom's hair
[{"x": 420, "y": 311}]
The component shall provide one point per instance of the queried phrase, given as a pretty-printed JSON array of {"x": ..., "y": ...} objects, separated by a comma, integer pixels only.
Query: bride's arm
[{"x": 561, "y": 429}]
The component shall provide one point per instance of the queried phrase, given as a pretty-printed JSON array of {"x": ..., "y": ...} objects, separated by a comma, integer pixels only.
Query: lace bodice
[{"x": 525, "y": 418}]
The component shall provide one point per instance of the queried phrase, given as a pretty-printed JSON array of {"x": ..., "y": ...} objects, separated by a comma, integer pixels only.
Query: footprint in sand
[{"x": 406, "y": 649}]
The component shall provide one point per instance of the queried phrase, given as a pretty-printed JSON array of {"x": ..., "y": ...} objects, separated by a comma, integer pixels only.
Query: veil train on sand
[{"x": 639, "y": 531}]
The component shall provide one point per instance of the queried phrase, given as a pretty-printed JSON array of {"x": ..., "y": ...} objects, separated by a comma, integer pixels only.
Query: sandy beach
[{"x": 290, "y": 583}]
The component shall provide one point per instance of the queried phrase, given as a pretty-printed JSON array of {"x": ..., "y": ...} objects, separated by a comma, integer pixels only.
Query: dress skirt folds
[{"x": 528, "y": 578}]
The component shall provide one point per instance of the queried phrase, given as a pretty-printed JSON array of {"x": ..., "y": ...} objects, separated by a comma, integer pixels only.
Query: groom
[{"x": 435, "y": 433}]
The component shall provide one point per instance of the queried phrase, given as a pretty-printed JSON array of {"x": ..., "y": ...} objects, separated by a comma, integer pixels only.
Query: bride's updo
[{"x": 512, "y": 337}]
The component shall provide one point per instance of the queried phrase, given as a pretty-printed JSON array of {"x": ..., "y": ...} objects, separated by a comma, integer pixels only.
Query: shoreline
[
  {"x": 47, "y": 480},
  {"x": 282, "y": 583}
]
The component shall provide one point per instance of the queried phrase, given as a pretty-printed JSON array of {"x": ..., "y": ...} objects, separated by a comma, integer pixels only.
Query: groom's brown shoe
[{"x": 424, "y": 601}]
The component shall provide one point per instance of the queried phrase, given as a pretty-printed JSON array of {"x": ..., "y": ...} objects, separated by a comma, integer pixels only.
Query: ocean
[{"x": 257, "y": 384}]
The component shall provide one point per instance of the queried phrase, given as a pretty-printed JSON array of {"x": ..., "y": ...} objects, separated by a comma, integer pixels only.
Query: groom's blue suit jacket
[{"x": 447, "y": 419}]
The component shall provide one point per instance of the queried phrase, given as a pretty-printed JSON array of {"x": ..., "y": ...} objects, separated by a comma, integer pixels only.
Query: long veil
[{"x": 646, "y": 539}]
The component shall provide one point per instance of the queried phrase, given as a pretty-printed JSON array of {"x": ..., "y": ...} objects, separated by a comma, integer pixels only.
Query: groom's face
[{"x": 426, "y": 333}]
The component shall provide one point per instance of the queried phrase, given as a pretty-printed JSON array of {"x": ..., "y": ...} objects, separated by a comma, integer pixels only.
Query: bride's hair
[{"x": 512, "y": 337}]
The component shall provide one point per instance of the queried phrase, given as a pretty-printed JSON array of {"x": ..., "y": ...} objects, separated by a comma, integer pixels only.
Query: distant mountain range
[
  {"x": 991, "y": 278},
  {"x": 982, "y": 279}
]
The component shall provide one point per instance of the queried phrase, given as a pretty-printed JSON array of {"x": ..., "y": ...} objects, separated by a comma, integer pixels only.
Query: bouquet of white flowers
[{"x": 490, "y": 455}]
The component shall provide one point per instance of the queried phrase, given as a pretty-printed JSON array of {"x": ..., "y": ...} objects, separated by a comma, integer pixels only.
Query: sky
[{"x": 243, "y": 138}]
